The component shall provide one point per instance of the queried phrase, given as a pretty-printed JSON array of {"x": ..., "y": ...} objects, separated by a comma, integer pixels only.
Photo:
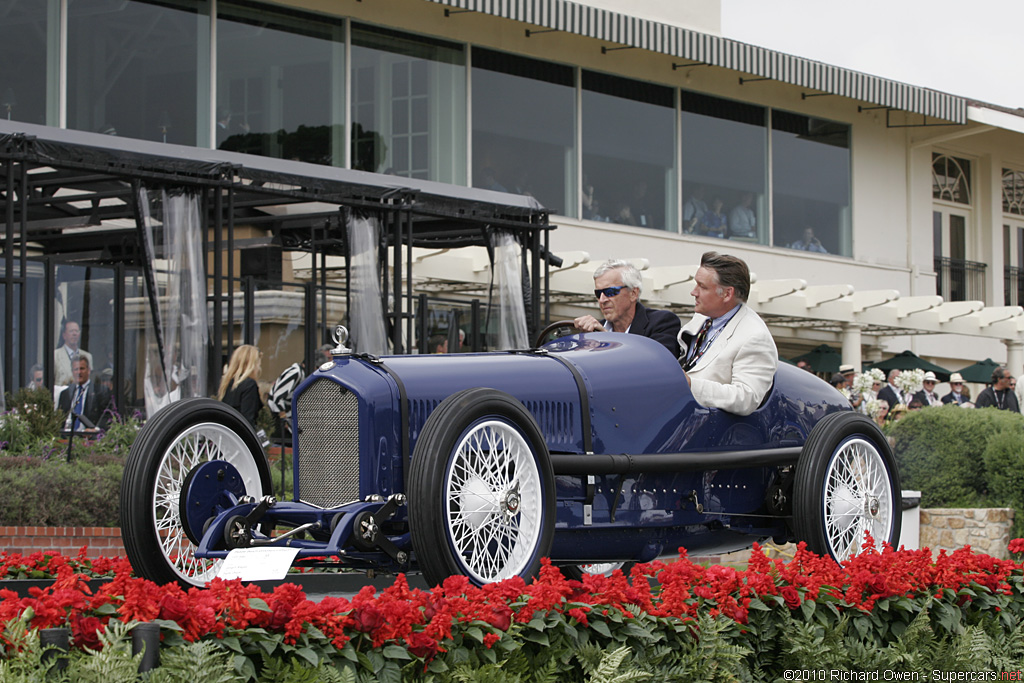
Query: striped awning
[{"x": 624, "y": 29}]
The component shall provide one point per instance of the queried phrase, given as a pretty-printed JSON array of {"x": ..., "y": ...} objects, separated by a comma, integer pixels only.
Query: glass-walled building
[
  {"x": 283, "y": 83},
  {"x": 646, "y": 137}
]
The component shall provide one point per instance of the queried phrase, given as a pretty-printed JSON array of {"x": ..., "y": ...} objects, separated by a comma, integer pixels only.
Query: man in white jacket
[{"x": 728, "y": 354}]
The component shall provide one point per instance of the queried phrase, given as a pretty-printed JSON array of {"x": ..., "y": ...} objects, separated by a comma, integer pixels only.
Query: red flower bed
[{"x": 428, "y": 623}]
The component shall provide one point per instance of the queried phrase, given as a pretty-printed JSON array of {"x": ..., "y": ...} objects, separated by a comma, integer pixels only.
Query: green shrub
[
  {"x": 40, "y": 492},
  {"x": 1004, "y": 462},
  {"x": 34, "y": 411},
  {"x": 941, "y": 452}
]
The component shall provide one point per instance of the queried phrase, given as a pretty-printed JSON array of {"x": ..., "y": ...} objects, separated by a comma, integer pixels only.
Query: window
[
  {"x": 810, "y": 184},
  {"x": 628, "y": 152},
  {"x": 1013, "y": 263},
  {"x": 133, "y": 68},
  {"x": 951, "y": 178},
  {"x": 957, "y": 278},
  {"x": 1013, "y": 192},
  {"x": 409, "y": 106},
  {"x": 725, "y": 160},
  {"x": 280, "y": 85},
  {"x": 23, "y": 59},
  {"x": 524, "y": 128}
]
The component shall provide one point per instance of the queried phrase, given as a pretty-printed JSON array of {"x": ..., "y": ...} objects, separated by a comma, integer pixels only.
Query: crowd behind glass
[{"x": 642, "y": 154}]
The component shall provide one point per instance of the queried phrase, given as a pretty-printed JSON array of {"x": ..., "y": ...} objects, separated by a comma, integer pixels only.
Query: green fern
[
  {"x": 488, "y": 673},
  {"x": 200, "y": 661},
  {"x": 27, "y": 665},
  {"x": 112, "y": 663},
  {"x": 609, "y": 669}
]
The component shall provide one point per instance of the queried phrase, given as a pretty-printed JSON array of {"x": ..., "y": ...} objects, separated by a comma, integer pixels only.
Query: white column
[
  {"x": 1014, "y": 356},
  {"x": 851, "y": 345}
]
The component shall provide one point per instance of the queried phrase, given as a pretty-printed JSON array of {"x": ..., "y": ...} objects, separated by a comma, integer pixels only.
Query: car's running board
[{"x": 672, "y": 462}]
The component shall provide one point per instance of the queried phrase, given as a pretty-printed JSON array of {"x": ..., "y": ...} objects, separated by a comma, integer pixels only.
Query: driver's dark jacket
[{"x": 661, "y": 326}]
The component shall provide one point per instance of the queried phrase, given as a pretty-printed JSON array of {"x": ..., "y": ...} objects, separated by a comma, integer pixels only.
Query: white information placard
[{"x": 257, "y": 564}]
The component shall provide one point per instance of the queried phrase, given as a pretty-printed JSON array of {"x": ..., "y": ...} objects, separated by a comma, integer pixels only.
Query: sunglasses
[{"x": 609, "y": 292}]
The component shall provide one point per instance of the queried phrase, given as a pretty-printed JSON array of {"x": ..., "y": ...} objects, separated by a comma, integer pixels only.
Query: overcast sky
[{"x": 971, "y": 48}]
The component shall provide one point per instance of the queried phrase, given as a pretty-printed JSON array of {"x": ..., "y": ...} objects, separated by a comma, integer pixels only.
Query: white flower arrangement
[
  {"x": 862, "y": 382},
  {"x": 873, "y": 407},
  {"x": 877, "y": 374},
  {"x": 910, "y": 382}
]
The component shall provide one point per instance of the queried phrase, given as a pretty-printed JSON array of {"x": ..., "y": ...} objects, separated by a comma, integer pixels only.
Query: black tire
[
  {"x": 846, "y": 483},
  {"x": 174, "y": 441},
  {"x": 517, "y": 501}
]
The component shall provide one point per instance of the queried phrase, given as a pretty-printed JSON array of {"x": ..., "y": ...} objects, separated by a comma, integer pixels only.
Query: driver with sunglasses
[{"x": 617, "y": 288}]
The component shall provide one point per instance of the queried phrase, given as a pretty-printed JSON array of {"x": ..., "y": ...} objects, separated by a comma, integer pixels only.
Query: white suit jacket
[
  {"x": 737, "y": 370},
  {"x": 62, "y": 365}
]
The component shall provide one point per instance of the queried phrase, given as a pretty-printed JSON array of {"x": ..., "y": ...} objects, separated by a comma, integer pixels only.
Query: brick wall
[{"x": 101, "y": 541}]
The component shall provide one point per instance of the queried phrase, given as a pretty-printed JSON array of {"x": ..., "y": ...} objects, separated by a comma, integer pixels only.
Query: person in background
[
  {"x": 838, "y": 381},
  {"x": 890, "y": 393},
  {"x": 714, "y": 222},
  {"x": 71, "y": 335},
  {"x": 742, "y": 221},
  {"x": 999, "y": 395},
  {"x": 693, "y": 209},
  {"x": 927, "y": 395},
  {"x": 848, "y": 371},
  {"x": 86, "y": 398},
  {"x": 36, "y": 377},
  {"x": 956, "y": 393},
  {"x": 804, "y": 365},
  {"x": 280, "y": 398},
  {"x": 438, "y": 343},
  {"x": 809, "y": 242},
  {"x": 238, "y": 387}
]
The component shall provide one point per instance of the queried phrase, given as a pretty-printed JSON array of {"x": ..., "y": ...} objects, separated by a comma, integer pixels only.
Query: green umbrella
[
  {"x": 980, "y": 372},
  {"x": 908, "y": 360},
  {"x": 821, "y": 358}
]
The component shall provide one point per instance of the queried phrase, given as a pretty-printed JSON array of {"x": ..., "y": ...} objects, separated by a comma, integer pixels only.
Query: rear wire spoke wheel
[
  {"x": 846, "y": 485},
  {"x": 481, "y": 492},
  {"x": 180, "y": 437}
]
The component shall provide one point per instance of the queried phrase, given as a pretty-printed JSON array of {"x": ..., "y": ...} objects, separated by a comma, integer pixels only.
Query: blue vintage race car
[{"x": 589, "y": 449}]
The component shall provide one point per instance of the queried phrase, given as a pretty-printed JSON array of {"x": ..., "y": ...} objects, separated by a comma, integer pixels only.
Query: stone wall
[{"x": 986, "y": 530}]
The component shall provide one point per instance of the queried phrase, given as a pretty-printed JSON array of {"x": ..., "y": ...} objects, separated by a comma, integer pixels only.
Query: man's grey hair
[
  {"x": 892, "y": 374},
  {"x": 629, "y": 273}
]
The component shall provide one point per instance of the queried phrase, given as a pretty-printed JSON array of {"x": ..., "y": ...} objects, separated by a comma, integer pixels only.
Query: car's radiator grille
[{"x": 328, "y": 421}]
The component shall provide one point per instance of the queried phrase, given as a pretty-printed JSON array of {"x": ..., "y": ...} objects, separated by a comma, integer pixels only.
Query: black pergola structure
[{"x": 59, "y": 192}]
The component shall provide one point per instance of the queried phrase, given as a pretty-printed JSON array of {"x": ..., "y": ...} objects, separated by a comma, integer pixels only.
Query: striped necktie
[
  {"x": 77, "y": 409},
  {"x": 695, "y": 346}
]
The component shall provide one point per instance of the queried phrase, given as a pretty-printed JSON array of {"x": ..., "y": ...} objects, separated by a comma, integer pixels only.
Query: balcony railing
[
  {"x": 960, "y": 280},
  {"x": 1013, "y": 285}
]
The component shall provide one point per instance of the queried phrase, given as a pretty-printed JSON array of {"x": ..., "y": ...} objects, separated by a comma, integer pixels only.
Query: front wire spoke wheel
[
  {"x": 170, "y": 445},
  {"x": 500, "y": 530},
  {"x": 481, "y": 500}
]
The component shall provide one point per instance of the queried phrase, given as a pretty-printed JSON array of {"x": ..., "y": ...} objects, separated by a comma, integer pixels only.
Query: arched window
[
  {"x": 951, "y": 178},
  {"x": 1013, "y": 192}
]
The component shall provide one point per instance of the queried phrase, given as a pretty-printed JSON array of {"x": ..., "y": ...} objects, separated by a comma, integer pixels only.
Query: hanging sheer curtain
[
  {"x": 366, "y": 312},
  {"x": 512, "y": 332},
  {"x": 171, "y": 218}
]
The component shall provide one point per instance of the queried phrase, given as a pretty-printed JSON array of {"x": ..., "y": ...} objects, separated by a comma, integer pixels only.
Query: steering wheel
[{"x": 550, "y": 329}]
